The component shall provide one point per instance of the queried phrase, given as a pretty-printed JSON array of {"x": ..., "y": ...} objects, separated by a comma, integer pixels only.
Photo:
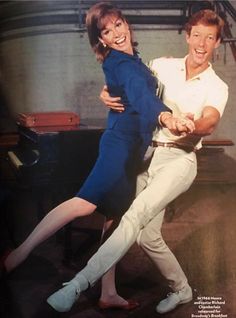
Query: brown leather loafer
[{"x": 131, "y": 304}]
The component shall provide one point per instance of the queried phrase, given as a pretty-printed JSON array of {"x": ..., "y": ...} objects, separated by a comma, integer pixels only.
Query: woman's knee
[{"x": 81, "y": 207}]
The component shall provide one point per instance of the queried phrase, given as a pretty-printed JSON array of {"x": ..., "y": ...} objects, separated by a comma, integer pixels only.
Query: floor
[{"x": 200, "y": 230}]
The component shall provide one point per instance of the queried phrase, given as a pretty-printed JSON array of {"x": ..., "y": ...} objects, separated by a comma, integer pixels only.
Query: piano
[
  {"x": 51, "y": 161},
  {"x": 54, "y": 155}
]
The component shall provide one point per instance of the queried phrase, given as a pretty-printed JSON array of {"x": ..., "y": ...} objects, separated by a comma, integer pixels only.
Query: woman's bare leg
[
  {"x": 52, "y": 222},
  {"x": 109, "y": 293}
]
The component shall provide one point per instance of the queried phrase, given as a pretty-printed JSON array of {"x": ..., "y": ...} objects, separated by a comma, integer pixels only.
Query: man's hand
[{"x": 111, "y": 102}]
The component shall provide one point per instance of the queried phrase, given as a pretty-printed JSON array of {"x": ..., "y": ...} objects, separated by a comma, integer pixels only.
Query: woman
[{"x": 111, "y": 184}]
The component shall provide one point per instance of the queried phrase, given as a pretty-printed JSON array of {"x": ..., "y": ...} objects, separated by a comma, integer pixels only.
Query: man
[{"x": 190, "y": 85}]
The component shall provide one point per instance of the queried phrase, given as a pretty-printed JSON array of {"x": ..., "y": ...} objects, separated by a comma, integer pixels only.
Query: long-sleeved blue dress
[{"x": 111, "y": 183}]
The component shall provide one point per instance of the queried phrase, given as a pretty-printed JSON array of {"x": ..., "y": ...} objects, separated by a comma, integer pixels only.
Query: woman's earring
[{"x": 104, "y": 44}]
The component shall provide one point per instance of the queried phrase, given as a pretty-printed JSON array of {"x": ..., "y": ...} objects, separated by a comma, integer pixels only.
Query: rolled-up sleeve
[{"x": 218, "y": 96}]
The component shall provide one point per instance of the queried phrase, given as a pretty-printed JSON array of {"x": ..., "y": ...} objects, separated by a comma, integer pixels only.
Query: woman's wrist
[{"x": 164, "y": 117}]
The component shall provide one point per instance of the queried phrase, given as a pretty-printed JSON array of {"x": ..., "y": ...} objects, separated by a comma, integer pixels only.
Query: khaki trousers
[{"x": 170, "y": 173}]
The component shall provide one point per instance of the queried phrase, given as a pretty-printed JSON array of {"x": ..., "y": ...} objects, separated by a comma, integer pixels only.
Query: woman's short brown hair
[
  {"x": 95, "y": 22},
  {"x": 206, "y": 17}
]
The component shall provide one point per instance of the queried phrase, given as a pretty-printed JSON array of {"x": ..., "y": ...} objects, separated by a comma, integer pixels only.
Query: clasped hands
[{"x": 181, "y": 125}]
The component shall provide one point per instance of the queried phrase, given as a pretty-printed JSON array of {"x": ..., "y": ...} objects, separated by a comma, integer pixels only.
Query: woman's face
[{"x": 116, "y": 34}]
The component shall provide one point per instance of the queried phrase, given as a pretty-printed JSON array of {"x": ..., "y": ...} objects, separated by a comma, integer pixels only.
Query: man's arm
[
  {"x": 205, "y": 125},
  {"x": 111, "y": 102}
]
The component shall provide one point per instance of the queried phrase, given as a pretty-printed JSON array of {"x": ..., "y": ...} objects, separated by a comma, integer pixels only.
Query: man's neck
[{"x": 193, "y": 69}]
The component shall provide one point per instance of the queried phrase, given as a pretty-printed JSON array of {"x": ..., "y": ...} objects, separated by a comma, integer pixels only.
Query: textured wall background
[{"x": 59, "y": 72}]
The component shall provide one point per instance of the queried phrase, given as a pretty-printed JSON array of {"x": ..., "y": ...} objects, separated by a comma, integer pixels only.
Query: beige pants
[
  {"x": 151, "y": 241},
  {"x": 170, "y": 173}
]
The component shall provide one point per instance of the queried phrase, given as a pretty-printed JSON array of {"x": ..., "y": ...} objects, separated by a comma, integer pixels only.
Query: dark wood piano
[{"x": 54, "y": 155}]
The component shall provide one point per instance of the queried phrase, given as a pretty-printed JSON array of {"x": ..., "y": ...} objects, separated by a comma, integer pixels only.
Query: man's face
[{"x": 202, "y": 41}]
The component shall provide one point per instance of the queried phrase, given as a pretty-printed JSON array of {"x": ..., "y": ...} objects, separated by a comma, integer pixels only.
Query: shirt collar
[{"x": 200, "y": 75}]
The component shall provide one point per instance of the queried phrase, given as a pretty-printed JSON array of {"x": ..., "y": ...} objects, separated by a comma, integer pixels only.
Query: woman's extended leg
[
  {"x": 52, "y": 222},
  {"x": 109, "y": 296}
]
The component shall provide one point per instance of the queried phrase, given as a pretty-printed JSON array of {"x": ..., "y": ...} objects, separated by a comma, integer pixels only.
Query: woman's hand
[{"x": 111, "y": 102}]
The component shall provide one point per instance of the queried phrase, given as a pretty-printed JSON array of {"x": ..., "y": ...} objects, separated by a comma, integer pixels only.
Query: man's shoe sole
[{"x": 185, "y": 301}]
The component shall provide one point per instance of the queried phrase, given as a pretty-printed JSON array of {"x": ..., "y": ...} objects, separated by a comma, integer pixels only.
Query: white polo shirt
[{"x": 181, "y": 95}]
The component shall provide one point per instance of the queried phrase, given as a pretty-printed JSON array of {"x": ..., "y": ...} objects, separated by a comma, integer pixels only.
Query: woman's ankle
[
  {"x": 3, "y": 262},
  {"x": 14, "y": 259}
]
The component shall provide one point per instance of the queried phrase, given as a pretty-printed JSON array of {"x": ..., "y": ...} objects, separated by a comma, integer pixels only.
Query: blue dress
[{"x": 111, "y": 183}]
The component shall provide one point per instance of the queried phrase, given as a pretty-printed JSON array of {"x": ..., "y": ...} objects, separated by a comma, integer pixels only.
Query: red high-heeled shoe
[{"x": 131, "y": 304}]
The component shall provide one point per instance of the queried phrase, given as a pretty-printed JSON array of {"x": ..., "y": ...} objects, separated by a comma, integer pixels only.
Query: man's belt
[{"x": 173, "y": 145}]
